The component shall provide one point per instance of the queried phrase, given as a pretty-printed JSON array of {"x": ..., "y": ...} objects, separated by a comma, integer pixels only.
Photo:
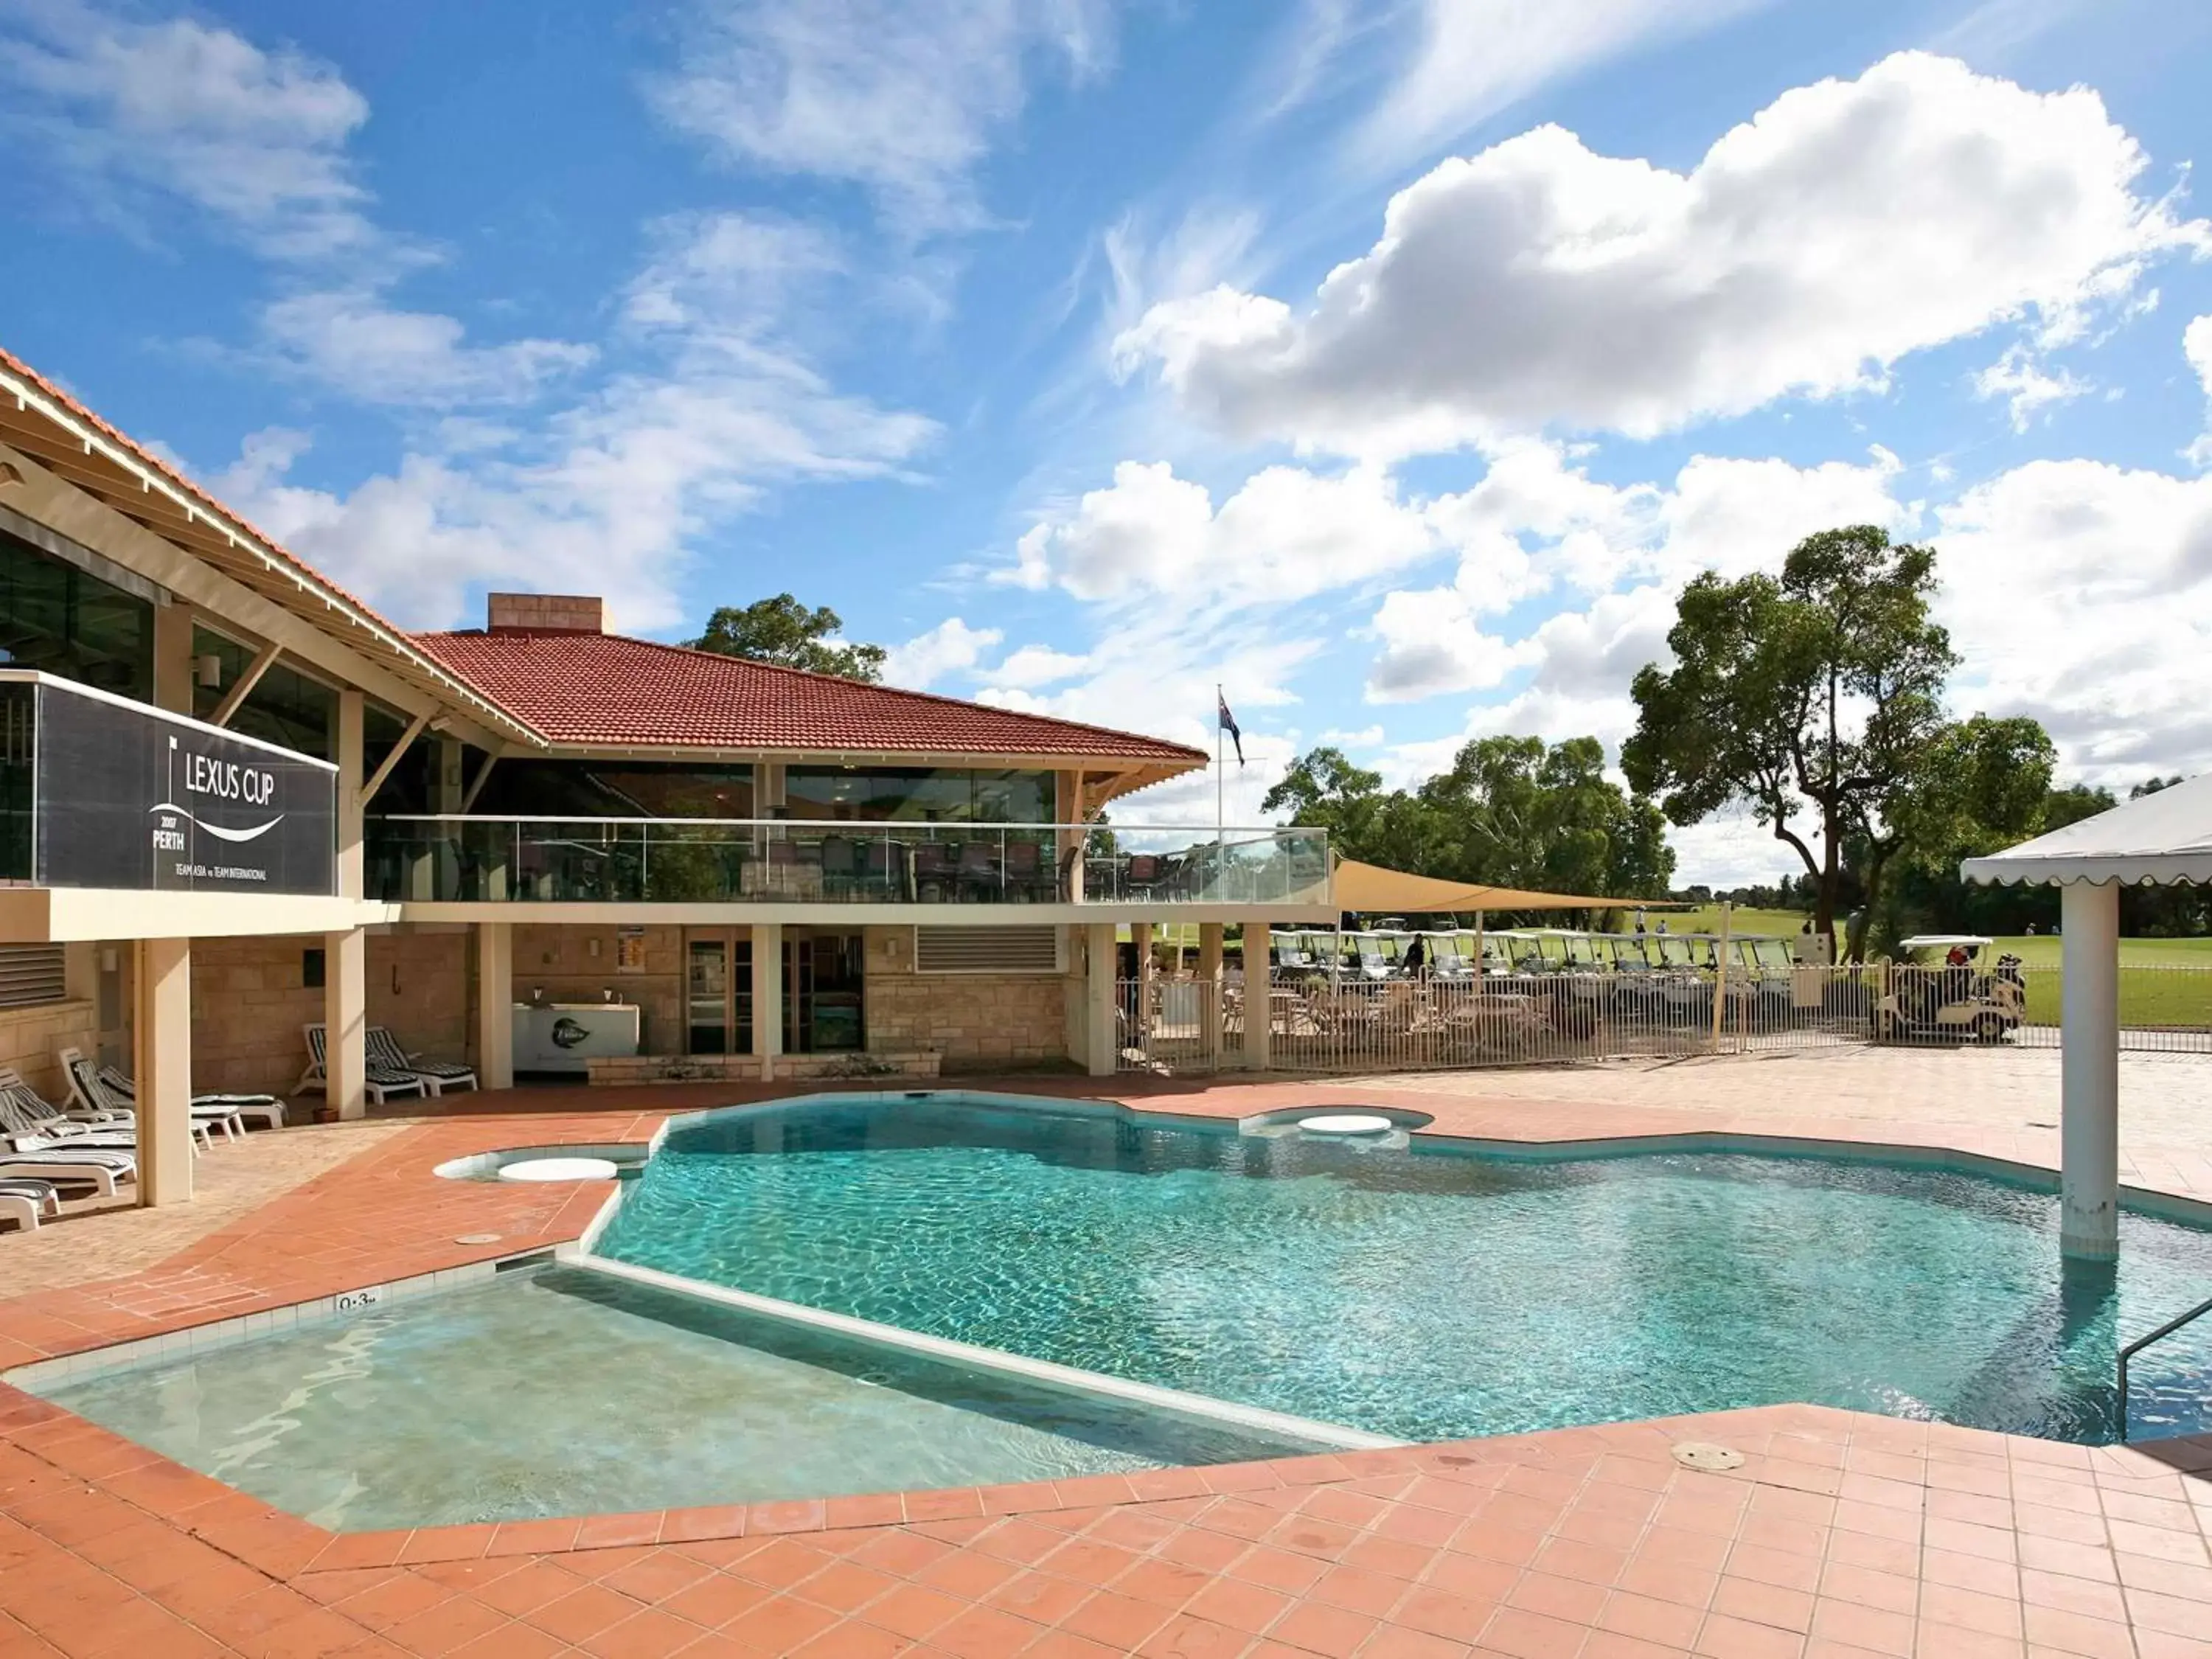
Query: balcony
[{"x": 449, "y": 858}]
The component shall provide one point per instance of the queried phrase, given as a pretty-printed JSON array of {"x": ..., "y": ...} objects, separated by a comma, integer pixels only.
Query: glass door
[
  {"x": 718, "y": 991},
  {"x": 707, "y": 994}
]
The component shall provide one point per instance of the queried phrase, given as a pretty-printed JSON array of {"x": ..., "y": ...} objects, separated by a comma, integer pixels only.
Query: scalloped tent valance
[{"x": 2158, "y": 840}]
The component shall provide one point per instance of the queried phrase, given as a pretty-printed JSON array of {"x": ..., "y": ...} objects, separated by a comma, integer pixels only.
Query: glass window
[
  {"x": 285, "y": 706},
  {"x": 617, "y": 789},
  {"x": 918, "y": 793},
  {"x": 58, "y": 618}
]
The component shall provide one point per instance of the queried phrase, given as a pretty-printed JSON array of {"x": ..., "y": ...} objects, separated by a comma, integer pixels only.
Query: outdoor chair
[
  {"x": 65, "y": 1163},
  {"x": 23, "y": 1201},
  {"x": 840, "y": 866},
  {"x": 437, "y": 1075},
  {"x": 933, "y": 870},
  {"x": 1141, "y": 876},
  {"x": 978, "y": 870},
  {"x": 25, "y": 1116},
  {"x": 1025, "y": 871},
  {"x": 381, "y": 1082},
  {"x": 886, "y": 869},
  {"x": 99, "y": 1093}
]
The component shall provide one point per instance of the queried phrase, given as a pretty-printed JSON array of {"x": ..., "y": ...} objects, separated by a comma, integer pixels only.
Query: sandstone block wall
[
  {"x": 577, "y": 964},
  {"x": 977, "y": 1021}
]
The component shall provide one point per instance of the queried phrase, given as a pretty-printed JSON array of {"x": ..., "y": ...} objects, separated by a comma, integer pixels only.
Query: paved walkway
[{"x": 1841, "y": 1535}]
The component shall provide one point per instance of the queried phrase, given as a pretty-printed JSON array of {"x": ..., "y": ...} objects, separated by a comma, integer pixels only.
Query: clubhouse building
[{"x": 236, "y": 803}]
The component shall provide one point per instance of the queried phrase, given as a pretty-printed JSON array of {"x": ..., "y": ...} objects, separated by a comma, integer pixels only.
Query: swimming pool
[
  {"x": 565, "y": 1392},
  {"x": 1427, "y": 1292}
]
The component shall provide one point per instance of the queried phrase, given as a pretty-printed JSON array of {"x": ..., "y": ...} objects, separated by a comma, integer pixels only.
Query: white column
[
  {"x": 767, "y": 995},
  {"x": 1140, "y": 934},
  {"x": 1101, "y": 1041},
  {"x": 496, "y": 1003},
  {"x": 1259, "y": 1025},
  {"x": 2089, "y": 1161},
  {"x": 162, "y": 1034},
  {"x": 345, "y": 955}
]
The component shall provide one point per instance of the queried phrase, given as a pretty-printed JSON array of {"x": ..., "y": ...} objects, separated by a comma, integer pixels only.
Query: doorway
[
  {"x": 823, "y": 1001},
  {"x": 718, "y": 991}
]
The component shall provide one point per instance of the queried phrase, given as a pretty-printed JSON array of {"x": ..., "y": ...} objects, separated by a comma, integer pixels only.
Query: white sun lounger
[
  {"x": 23, "y": 1201},
  {"x": 29, "y": 1158},
  {"x": 380, "y": 1081},
  {"x": 103, "y": 1092},
  {"x": 25, "y": 1116}
]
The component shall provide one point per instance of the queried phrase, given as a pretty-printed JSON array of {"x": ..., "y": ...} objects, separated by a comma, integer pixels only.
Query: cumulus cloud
[
  {"x": 1432, "y": 643},
  {"x": 2196, "y": 346},
  {"x": 1285, "y": 534},
  {"x": 940, "y": 651},
  {"x": 900, "y": 100},
  {"x": 1539, "y": 284}
]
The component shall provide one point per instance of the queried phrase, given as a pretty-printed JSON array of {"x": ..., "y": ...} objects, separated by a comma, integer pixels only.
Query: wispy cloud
[{"x": 903, "y": 101}]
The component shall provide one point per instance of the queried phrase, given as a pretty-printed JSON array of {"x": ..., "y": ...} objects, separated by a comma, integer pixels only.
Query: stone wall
[
  {"x": 251, "y": 998},
  {"x": 977, "y": 1021},
  {"x": 577, "y": 964},
  {"x": 30, "y": 1038}
]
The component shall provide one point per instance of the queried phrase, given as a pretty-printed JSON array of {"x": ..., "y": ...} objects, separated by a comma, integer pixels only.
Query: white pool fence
[{"x": 1319, "y": 1023}]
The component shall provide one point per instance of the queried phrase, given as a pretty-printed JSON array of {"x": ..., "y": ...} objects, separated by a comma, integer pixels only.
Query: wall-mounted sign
[
  {"x": 629, "y": 950},
  {"x": 130, "y": 798}
]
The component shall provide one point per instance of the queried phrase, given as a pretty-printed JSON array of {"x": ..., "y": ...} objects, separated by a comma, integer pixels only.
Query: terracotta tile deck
[{"x": 1841, "y": 1535}]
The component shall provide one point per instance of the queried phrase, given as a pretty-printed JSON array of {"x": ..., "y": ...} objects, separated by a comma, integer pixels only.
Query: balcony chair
[
  {"x": 102, "y": 1092},
  {"x": 1140, "y": 877},
  {"x": 933, "y": 871},
  {"x": 977, "y": 873},
  {"x": 1026, "y": 872},
  {"x": 381, "y": 1082},
  {"x": 886, "y": 863},
  {"x": 841, "y": 866}
]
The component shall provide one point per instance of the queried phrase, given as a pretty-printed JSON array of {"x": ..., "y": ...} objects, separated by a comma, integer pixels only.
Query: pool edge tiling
[{"x": 1842, "y": 1535}]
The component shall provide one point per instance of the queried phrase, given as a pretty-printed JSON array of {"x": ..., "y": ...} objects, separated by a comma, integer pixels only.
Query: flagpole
[{"x": 1220, "y": 789}]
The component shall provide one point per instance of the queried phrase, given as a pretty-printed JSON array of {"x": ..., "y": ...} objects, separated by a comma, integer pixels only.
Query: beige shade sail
[{"x": 1370, "y": 887}]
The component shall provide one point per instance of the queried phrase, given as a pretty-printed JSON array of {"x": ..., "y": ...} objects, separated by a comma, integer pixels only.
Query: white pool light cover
[
  {"x": 559, "y": 1169},
  {"x": 1346, "y": 1123}
]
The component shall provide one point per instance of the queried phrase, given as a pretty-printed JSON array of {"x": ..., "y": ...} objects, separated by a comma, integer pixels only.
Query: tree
[
  {"x": 1819, "y": 690},
  {"x": 1509, "y": 811},
  {"x": 782, "y": 631}
]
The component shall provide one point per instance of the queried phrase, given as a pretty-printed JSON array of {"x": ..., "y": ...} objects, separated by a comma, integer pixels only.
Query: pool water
[
  {"x": 1431, "y": 1293},
  {"x": 566, "y": 1392}
]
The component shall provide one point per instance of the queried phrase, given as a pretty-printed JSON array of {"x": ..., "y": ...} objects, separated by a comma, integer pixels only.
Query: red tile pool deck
[{"x": 1841, "y": 1535}]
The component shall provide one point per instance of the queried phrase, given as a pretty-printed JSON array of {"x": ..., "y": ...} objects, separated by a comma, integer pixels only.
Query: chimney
[{"x": 543, "y": 613}]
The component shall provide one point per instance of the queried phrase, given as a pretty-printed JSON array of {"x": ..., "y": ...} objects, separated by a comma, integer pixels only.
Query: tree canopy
[
  {"x": 783, "y": 631},
  {"x": 1509, "y": 811},
  {"x": 1815, "y": 699}
]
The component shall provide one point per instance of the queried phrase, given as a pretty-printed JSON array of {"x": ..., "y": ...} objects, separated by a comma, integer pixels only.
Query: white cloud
[
  {"x": 1285, "y": 534},
  {"x": 2081, "y": 592},
  {"x": 1539, "y": 284},
  {"x": 1432, "y": 643},
  {"x": 1034, "y": 666},
  {"x": 608, "y": 498},
  {"x": 727, "y": 273},
  {"x": 945, "y": 649},
  {"x": 256, "y": 137},
  {"x": 1472, "y": 58},
  {"x": 901, "y": 99},
  {"x": 354, "y": 341},
  {"x": 2026, "y": 386},
  {"x": 2196, "y": 346}
]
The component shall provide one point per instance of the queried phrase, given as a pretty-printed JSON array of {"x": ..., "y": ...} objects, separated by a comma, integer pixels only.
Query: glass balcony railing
[{"x": 451, "y": 859}]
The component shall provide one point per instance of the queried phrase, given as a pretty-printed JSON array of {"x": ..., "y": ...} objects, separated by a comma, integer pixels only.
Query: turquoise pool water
[
  {"x": 1428, "y": 1292},
  {"x": 564, "y": 1392}
]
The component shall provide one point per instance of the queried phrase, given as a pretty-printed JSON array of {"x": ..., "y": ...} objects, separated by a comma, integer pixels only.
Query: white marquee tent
[{"x": 2157, "y": 840}]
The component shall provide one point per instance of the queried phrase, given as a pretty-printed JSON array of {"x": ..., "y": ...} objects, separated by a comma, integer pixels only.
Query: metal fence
[{"x": 1320, "y": 1024}]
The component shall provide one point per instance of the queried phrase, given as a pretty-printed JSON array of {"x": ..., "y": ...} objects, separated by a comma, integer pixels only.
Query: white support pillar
[
  {"x": 163, "y": 1036},
  {"x": 1140, "y": 934},
  {"x": 1101, "y": 1047},
  {"x": 1213, "y": 1006},
  {"x": 1259, "y": 984},
  {"x": 345, "y": 955},
  {"x": 767, "y": 995},
  {"x": 496, "y": 1003},
  {"x": 2089, "y": 1070}
]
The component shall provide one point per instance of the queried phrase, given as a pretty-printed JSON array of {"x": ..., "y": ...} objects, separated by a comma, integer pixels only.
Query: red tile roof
[{"x": 602, "y": 689}]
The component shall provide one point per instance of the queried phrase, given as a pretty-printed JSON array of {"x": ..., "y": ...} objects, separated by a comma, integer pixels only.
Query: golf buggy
[{"x": 1939, "y": 993}]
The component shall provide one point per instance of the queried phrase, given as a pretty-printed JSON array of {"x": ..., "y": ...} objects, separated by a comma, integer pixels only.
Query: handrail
[
  {"x": 1203, "y": 835},
  {"x": 2144, "y": 1341}
]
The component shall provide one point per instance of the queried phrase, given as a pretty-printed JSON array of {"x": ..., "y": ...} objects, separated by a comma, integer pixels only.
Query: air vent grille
[{"x": 987, "y": 949}]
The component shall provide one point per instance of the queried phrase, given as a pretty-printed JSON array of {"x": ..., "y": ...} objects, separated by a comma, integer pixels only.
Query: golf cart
[{"x": 1940, "y": 994}]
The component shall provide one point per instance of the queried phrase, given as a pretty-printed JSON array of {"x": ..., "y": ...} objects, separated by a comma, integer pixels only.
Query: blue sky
[{"x": 1009, "y": 329}]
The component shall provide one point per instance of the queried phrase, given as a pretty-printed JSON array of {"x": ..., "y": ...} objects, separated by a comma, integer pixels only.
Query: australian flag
[{"x": 1227, "y": 722}]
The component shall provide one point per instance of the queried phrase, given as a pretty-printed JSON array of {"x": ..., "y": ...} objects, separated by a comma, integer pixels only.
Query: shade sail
[
  {"x": 1370, "y": 887},
  {"x": 2163, "y": 838}
]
